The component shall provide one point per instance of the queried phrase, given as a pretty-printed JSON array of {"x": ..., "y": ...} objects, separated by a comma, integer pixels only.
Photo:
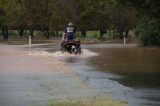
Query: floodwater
[
  {"x": 122, "y": 72},
  {"x": 137, "y": 68}
]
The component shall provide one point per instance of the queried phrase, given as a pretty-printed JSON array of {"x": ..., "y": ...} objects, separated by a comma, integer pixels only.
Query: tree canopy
[{"x": 46, "y": 15}]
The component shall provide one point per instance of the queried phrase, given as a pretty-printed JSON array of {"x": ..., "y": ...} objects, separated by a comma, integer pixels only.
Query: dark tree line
[
  {"x": 102, "y": 15},
  {"x": 148, "y": 27}
]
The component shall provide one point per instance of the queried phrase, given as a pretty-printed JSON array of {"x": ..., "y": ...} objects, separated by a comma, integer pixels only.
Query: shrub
[{"x": 147, "y": 31}]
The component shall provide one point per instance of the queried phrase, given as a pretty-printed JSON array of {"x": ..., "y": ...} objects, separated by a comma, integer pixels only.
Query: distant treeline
[{"x": 102, "y": 15}]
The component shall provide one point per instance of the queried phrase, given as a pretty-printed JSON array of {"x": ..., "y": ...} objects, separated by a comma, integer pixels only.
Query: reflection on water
[{"x": 140, "y": 67}]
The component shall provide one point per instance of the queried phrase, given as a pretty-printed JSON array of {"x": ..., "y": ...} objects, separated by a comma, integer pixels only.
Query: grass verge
[{"x": 95, "y": 101}]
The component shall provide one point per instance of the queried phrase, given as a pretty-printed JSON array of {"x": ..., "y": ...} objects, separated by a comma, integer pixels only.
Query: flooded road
[
  {"x": 124, "y": 72},
  {"x": 137, "y": 68},
  {"x": 45, "y": 77}
]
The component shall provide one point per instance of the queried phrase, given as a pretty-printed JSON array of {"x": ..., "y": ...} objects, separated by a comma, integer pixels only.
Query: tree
[
  {"x": 123, "y": 19},
  {"x": 148, "y": 32},
  {"x": 19, "y": 16},
  {"x": 147, "y": 7},
  {"x": 4, "y": 18},
  {"x": 148, "y": 10},
  {"x": 33, "y": 15}
]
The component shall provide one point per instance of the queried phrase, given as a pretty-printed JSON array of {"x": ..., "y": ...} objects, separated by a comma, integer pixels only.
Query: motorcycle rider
[{"x": 70, "y": 32}]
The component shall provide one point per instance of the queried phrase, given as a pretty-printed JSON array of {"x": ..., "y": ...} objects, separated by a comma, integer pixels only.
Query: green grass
[
  {"x": 16, "y": 40},
  {"x": 103, "y": 101},
  {"x": 91, "y": 36}
]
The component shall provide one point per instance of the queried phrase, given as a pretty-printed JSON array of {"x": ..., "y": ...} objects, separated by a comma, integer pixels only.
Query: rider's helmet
[{"x": 70, "y": 24}]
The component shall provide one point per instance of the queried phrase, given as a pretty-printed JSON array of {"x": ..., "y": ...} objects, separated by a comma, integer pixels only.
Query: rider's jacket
[
  {"x": 69, "y": 30},
  {"x": 70, "y": 33}
]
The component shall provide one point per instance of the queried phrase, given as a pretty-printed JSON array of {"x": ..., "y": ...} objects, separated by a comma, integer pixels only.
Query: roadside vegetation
[
  {"x": 95, "y": 101},
  {"x": 91, "y": 36},
  {"x": 96, "y": 20}
]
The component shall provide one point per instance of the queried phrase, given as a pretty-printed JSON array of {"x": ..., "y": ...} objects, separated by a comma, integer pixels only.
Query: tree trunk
[
  {"x": 56, "y": 33},
  {"x": 109, "y": 32},
  {"x": 6, "y": 36},
  {"x": 121, "y": 34},
  {"x": 101, "y": 33},
  {"x": 83, "y": 34},
  {"x": 47, "y": 32},
  {"x": 126, "y": 35},
  {"x": 21, "y": 30},
  {"x": 5, "y": 32}
]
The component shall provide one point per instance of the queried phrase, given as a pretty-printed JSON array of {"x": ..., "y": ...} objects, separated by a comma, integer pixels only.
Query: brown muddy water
[
  {"x": 140, "y": 67},
  {"x": 137, "y": 68},
  {"x": 125, "y": 72},
  {"x": 122, "y": 72}
]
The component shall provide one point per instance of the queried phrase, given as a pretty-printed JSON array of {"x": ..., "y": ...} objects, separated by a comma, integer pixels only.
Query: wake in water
[{"x": 85, "y": 54}]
